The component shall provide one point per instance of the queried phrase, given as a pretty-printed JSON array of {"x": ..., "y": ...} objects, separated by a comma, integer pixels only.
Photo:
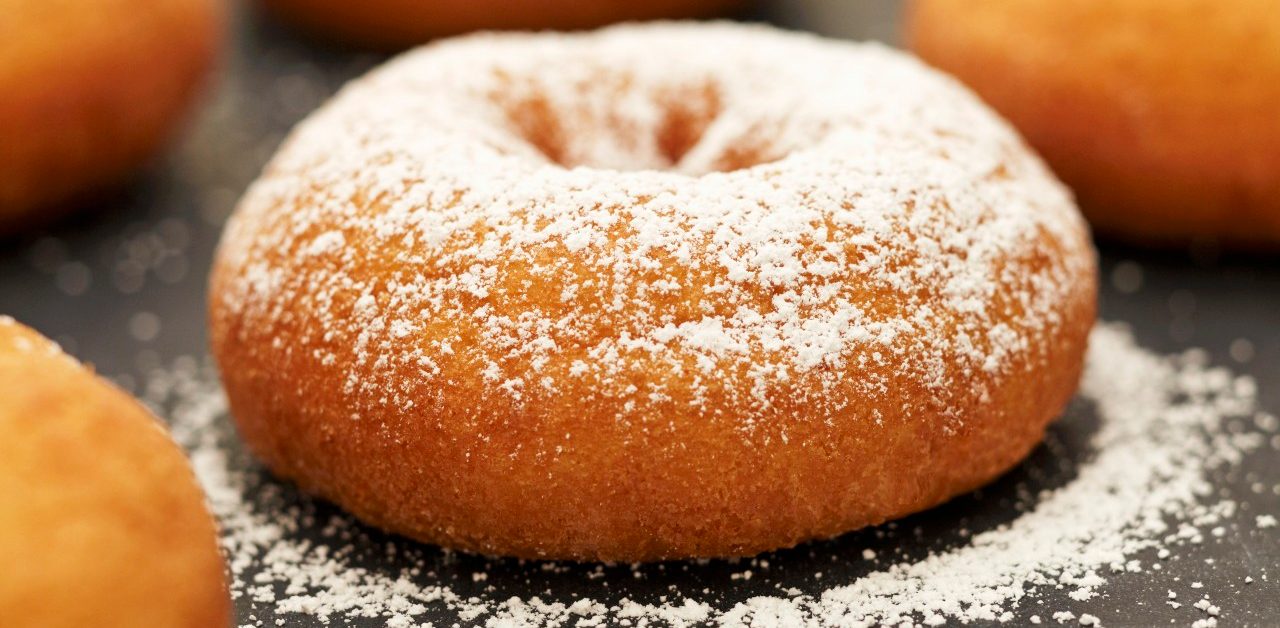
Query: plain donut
[
  {"x": 1162, "y": 117},
  {"x": 101, "y": 520}
]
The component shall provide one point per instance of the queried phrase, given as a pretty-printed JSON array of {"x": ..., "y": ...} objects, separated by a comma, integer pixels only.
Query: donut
[
  {"x": 398, "y": 24},
  {"x": 91, "y": 90},
  {"x": 1161, "y": 116},
  {"x": 98, "y": 506},
  {"x": 649, "y": 292}
]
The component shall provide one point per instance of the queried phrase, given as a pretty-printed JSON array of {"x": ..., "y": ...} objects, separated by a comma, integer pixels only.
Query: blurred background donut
[
  {"x": 101, "y": 521},
  {"x": 1164, "y": 116},
  {"x": 392, "y": 24},
  {"x": 89, "y": 89}
]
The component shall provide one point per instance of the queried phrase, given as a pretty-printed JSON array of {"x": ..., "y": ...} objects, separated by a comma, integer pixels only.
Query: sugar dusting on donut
[{"x": 817, "y": 206}]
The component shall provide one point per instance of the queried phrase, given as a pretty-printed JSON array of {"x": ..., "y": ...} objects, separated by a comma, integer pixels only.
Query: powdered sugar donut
[{"x": 651, "y": 292}]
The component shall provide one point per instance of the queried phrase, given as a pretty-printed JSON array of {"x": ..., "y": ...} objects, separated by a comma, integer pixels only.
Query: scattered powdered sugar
[
  {"x": 1143, "y": 490},
  {"x": 717, "y": 203}
]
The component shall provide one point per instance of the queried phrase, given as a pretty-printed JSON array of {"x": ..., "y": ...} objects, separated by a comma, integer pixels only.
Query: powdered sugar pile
[
  {"x": 714, "y": 205},
  {"x": 1164, "y": 424}
]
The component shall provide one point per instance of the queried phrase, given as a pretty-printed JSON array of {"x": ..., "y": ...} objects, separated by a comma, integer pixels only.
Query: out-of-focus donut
[
  {"x": 398, "y": 24},
  {"x": 101, "y": 521},
  {"x": 89, "y": 90},
  {"x": 1164, "y": 117}
]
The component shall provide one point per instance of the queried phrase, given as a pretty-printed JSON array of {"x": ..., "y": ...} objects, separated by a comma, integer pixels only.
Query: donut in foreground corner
[
  {"x": 1163, "y": 117},
  {"x": 90, "y": 90},
  {"x": 650, "y": 292},
  {"x": 101, "y": 520}
]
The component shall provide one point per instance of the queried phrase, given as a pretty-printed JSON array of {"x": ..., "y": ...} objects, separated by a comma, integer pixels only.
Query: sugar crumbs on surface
[{"x": 1145, "y": 492}]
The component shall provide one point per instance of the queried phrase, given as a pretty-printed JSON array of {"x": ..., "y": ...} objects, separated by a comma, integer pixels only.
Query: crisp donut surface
[
  {"x": 89, "y": 90},
  {"x": 398, "y": 24},
  {"x": 1161, "y": 116},
  {"x": 101, "y": 521},
  {"x": 651, "y": 292}
]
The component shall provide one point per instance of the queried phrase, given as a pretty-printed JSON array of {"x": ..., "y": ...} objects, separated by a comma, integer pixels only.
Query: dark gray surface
[{"x": 79, "y": 283}]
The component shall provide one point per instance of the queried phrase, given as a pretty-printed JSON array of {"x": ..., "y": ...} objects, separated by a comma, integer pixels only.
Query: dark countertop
[{"x": 122, "y": 287}]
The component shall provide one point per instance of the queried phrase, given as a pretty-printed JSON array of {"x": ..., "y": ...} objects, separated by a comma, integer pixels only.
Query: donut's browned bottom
[{"x": 465, "y": 469}]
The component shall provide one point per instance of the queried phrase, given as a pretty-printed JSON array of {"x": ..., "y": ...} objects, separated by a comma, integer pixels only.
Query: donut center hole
[{"x": 614, "y": 126}]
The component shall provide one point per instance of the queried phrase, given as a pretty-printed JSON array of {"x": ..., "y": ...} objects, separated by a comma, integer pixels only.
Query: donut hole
[{"x": 611, "y": 124}]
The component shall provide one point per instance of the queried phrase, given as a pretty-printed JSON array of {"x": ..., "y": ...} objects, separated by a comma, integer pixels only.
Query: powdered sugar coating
[{"x": 739, "y": 207}]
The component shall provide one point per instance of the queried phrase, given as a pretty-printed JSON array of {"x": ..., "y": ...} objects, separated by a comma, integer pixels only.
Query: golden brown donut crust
[
  {"x": 398, "y": 24},
  {"x": 692, "y": 488},
  {"x": 1161, "y": 116},
  {"x": 92, "y": 88},
  {"x": 383, "y": 363},
  {"x": 101, "y": 520}
]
